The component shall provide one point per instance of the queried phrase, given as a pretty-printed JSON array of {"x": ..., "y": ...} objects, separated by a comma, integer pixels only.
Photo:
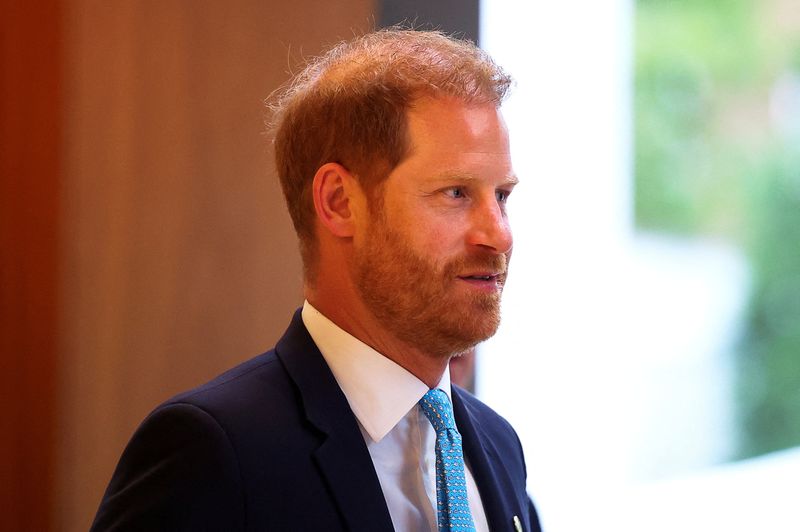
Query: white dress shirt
[{"x": 400, "y": 439}]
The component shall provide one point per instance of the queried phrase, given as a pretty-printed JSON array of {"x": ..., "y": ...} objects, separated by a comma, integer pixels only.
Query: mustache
[{"x": 491, "y": 263}]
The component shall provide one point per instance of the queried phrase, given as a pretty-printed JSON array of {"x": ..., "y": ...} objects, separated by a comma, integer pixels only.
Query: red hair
[{"x": 349, "y": 106}]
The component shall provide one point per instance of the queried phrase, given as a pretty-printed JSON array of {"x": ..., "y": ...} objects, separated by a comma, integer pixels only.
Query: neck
[{"x": 351, "y": 315}]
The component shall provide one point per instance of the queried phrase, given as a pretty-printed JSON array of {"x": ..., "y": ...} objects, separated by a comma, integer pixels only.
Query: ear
[{"x": 336, "y": 197}]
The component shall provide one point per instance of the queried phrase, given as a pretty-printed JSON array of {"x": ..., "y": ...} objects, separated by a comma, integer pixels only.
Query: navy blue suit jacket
[{"x": 272, "y": 445}]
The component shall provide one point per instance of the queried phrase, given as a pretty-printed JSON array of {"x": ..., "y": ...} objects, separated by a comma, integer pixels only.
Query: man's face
[{"x": 433, "y": 256}]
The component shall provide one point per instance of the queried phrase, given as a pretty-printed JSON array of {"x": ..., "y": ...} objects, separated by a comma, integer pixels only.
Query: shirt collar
[{"x": 379, "y": 391}]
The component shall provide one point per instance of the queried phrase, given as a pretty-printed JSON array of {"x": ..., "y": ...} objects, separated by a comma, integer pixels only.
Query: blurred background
[
  {"x": 652, "y": 316},
  {"x": 650, "y": 351}
]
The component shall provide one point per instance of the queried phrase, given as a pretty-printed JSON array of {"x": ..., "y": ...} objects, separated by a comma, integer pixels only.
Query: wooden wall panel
[
  {"x": 30, "y": 155},
  {"x": 178, "y": 259}
]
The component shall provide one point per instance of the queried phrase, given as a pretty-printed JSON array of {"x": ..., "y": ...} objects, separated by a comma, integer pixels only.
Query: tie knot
[{"x": 436, "y": 407}]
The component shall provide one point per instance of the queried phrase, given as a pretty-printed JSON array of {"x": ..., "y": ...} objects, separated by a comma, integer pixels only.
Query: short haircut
[{"x": 349, "y": 106}]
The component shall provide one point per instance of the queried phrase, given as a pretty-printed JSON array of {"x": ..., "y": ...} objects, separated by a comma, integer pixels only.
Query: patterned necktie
[{"x": 452, "y": 507}]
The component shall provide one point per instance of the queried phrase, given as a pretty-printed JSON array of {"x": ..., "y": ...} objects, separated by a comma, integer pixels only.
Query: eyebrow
[{"x": 511, "y": 180}]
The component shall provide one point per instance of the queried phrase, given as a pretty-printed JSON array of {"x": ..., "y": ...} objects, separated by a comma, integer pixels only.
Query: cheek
[
  {"x": 439, "y": 241},
  {"x": 431, "y": 232}
]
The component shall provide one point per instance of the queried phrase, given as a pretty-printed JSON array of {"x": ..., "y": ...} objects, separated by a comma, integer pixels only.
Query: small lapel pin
[{"x": 517, "y": 524}]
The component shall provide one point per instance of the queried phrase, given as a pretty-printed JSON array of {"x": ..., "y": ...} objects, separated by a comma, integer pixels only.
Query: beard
[{"x": 424, "y": 303}]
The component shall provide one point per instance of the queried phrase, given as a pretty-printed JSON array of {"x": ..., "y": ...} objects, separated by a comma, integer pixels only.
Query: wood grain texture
[{"x": 178, "y": 256}]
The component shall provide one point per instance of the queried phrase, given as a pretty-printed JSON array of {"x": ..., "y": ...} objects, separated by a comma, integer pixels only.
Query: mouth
[
  {"x": 485, "y": 279},
  {"x": 486, "y": 274}
]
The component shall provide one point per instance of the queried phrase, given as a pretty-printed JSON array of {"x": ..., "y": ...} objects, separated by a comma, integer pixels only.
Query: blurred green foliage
[
  {"x": 769, "y": 368},
  {"x": 708, "y": 161}
]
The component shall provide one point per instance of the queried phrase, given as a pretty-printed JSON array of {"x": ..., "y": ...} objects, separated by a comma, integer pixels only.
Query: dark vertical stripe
[
  {"x": 459, "y": 17},
  {"x": 30, "y": 161}
]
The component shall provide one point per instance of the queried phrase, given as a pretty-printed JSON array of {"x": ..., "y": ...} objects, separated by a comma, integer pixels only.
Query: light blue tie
[{"x": 452, "y": 507}]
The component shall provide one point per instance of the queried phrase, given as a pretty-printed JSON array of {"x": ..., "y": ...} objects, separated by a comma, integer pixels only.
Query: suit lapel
[
  {"x": 342, "y": 458},
  {"x": 486, "y": 465}
]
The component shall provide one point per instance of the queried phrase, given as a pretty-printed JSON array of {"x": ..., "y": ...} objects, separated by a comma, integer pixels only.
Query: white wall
[{"x": 614, "y": 357}]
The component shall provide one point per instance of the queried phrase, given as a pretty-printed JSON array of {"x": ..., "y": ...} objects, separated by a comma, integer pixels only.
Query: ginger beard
[{"x": 424, "y": 303}]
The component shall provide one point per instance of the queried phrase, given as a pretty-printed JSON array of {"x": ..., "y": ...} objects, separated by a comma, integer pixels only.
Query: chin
[{"x": 458, "y": 338}]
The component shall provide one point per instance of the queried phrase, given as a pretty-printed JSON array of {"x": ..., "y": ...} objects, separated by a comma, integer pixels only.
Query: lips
[
  {"x": 485, "y": 281},
  {"x": 489, "y": 272},
  {"x": 481, "y": 277}
]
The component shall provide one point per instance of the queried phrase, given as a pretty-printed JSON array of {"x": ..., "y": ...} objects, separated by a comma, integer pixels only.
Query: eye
[
  {"x": 455, "y": 192},
  {"x": 502, "y": 195}
]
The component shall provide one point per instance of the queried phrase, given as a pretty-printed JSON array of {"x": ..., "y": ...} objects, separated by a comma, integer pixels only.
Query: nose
[{"x": 489, "y": 228}]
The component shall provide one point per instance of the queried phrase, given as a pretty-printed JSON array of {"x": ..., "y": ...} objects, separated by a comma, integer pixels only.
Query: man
[{"x": 394, "y": 161}]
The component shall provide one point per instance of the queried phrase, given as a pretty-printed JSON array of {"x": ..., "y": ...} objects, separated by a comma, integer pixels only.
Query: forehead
[
  {"x": 449, "y": 136},
  {"x": 443, "y": 122}
]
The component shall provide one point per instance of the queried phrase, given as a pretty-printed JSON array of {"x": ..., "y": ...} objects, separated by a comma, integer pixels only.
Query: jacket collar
[
  {"x": 342, "y": 457},
  {"x": 486, "y": 465}
]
